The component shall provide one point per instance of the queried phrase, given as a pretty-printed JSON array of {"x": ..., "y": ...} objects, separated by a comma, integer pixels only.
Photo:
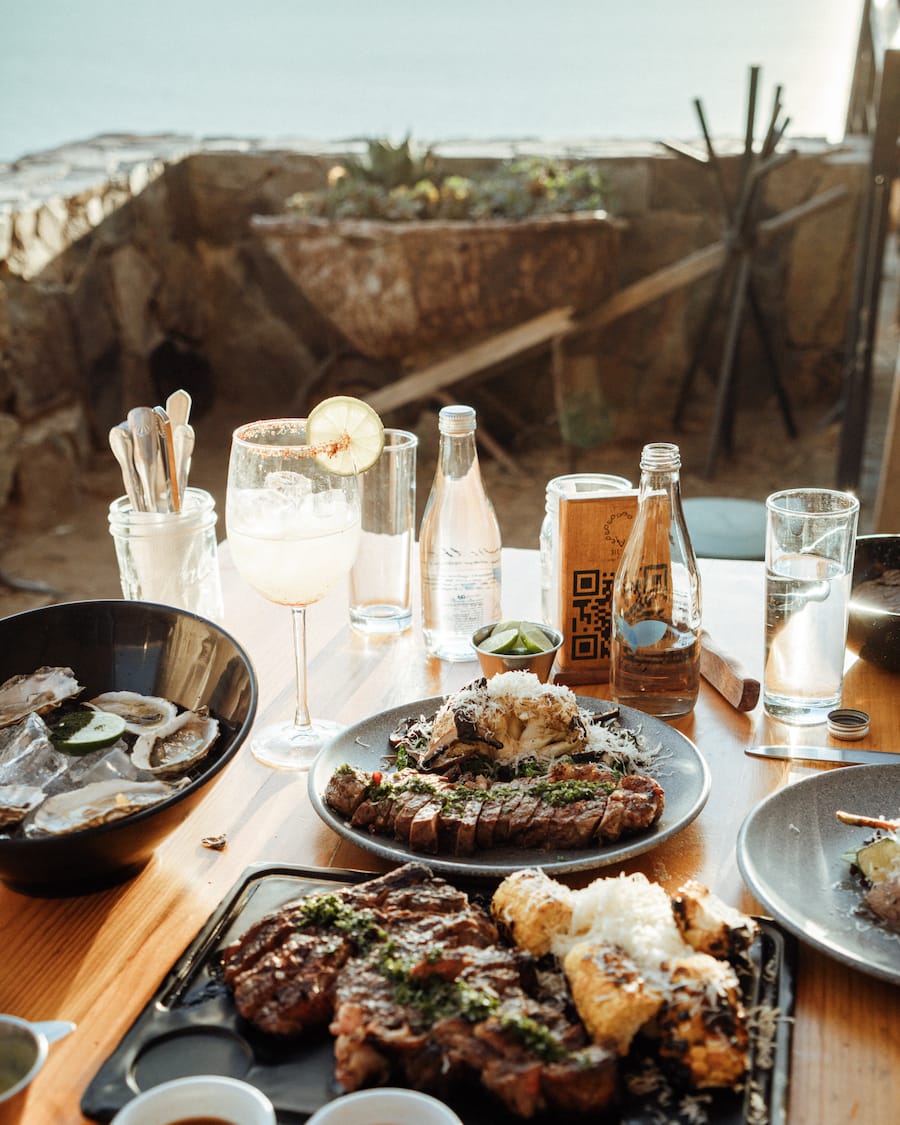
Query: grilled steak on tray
[{"x": 417, "y": 988}]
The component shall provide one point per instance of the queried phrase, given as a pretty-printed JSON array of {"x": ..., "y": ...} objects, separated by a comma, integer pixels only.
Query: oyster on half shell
[
  {"x": 36, "y": 693},
  {"x": 178, "y": 745},
  {"x": 17, "y": 801},
  {"x": 95, "y": 804},
  {"x": 143, "y": 714}
]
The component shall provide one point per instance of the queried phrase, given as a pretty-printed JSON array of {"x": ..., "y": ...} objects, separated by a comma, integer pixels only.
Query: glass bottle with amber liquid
[{"x": 655, "y": 656}]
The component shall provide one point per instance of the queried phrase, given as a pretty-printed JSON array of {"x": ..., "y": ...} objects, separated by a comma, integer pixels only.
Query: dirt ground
[{"x": 73, "y": 554}]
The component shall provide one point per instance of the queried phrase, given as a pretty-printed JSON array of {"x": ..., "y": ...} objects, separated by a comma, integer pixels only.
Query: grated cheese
[{"x": 630, "y": 912}]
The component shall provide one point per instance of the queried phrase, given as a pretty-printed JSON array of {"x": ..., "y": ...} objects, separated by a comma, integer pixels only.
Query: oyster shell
[
  {"x": 179, "y": 745},
  {"x": 36, "y": 693},
  {"x": 17, "y": 801},
  {"x": 143, "y": 714},
  {"x": 95, "y": 804}
]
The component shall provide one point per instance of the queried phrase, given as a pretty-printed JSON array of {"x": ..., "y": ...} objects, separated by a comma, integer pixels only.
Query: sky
[{"x": 478, "y": 69}]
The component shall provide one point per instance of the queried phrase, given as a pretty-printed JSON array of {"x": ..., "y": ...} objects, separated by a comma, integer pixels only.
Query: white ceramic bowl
[
  {"x": 199, "y": 1096},
  {"x": 385, "y": 1106}
]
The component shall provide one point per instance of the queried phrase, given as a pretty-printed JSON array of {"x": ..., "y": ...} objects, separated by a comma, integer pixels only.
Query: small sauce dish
[
  {"x": 200, "y": 1097},
  {"x": 386, "y": 1105}
]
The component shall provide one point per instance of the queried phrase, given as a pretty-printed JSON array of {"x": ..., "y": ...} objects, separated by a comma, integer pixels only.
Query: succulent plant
[{"x": 398, "y": 183}]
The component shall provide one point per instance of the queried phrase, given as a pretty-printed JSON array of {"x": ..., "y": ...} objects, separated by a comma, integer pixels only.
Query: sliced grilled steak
[{"x": 575, "y": 805}]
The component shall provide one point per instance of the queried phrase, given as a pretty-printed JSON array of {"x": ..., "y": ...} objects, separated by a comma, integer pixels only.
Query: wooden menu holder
[{"x": 592, "y": 535}]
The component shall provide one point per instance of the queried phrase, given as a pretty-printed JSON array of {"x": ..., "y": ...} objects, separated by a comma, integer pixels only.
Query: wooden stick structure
[
  {"x": 735, "y": 287},
  {"x": 732, "y": 257}
]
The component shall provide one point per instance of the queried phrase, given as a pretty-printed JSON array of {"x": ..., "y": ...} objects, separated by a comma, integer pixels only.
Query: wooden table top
[{"x": 97, "y": 959}]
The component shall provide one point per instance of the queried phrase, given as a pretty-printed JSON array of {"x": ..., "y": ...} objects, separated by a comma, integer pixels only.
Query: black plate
[
  {"x": 680, "y": 770},
  {"x": 191, "y": 1026}
]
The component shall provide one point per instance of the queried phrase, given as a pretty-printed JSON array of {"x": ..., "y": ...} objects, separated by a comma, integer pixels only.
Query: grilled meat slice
[
  {"x": 347, "y": 789},
  {"x": 573, "y": 806},
  {"x": 884, "y": 901},
  {"x": 435, "y": 1015},
  {"x": 283, "y": 969},
  {"x": 636, "y": 804}
]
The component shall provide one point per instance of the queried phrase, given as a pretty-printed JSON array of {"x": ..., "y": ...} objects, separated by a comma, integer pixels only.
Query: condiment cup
[
  {"x": 385, "y": 1106},
  {"x": 540, "y": 663},
  {"x": 23, "y": 1051},
  {"x": 200, "y": 1096}
]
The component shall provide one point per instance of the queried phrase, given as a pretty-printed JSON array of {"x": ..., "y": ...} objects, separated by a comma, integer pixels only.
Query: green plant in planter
[{"x": 396, "y": 183}]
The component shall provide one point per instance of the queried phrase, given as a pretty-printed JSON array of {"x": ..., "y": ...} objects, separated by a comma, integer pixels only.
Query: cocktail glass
[{"x": 293, "y": 530}]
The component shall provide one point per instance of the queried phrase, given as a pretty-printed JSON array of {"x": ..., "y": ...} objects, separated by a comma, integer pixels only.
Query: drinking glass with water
[{"x": 810, "y": 543}]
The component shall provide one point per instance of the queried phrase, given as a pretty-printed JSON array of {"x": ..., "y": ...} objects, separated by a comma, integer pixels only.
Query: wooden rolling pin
[{"x": 726, "y": 675}]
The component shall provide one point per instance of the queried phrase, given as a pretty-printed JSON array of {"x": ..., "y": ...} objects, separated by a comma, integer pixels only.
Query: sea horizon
[{"x": 481, "y": 71}]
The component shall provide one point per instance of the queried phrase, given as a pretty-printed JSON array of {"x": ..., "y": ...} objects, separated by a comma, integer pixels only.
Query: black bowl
[
  {"x": 874, "y": 630},
  {"x": 125, "y": 646}
]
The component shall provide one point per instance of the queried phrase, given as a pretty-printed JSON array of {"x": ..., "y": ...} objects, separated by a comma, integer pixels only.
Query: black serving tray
[{"x": 190, "y": 1026}]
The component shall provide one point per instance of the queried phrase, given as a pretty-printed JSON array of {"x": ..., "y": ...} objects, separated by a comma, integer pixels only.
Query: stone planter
[{"x": 413, "y": 289}]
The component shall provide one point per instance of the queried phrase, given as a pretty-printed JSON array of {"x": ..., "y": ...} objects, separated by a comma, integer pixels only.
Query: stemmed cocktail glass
[{"x": 292, "y": 510}]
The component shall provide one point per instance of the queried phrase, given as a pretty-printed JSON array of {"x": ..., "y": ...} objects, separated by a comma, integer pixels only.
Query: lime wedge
[
  {"x": 79, "y": 732},
  {"x": 350, "y": 432},
  {"x": 502, "y": 642},
  {"x": 533, "y": 639}
]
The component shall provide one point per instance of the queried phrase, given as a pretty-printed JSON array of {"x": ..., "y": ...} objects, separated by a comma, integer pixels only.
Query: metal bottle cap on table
[{"x": 848, "y": 723}]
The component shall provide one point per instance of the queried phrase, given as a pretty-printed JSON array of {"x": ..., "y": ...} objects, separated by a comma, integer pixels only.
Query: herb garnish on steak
[{"x": 418, "y": 989}]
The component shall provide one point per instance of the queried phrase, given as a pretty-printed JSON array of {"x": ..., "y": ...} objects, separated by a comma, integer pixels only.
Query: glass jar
[
  {"x": 170, "y": 557},
  {"x": 573, "y": 486}
]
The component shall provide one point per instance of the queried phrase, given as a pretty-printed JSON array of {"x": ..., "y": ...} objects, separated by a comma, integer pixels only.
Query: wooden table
[{"x": 98, "y": 958}]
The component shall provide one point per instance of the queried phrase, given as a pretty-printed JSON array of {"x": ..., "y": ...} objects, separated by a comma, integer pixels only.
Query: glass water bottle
[
  {"x": 655, "y": 659},
  {"x": 459, "y": 544}
]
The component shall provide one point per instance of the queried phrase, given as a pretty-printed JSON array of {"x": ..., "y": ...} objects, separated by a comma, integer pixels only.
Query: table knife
[{"x": 847, "y": 757}]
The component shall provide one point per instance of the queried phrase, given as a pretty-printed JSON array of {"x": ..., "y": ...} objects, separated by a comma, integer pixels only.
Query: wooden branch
[
  {"x": 809, "y": 207},
  {"x": 561, "y": 322},
  {"x": 655, "y": 285},
  {"x": 423, "y": 384}
]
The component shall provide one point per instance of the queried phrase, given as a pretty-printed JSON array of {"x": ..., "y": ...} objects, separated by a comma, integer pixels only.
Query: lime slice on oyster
[
  {"x": 84, "y": 730},
  {"x": 350, "y": 432},
  {"x": 143, "y": 714}
]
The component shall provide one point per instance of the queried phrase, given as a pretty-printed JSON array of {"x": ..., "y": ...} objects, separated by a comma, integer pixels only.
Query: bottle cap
[
  {"x": 848, "y": 723},
  {"x": 456, "y": 419}
]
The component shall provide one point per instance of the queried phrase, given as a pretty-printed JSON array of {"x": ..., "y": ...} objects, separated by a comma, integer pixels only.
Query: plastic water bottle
[
  {"x": 459, "y": 544},
  {"x": 655, "y": 658}
]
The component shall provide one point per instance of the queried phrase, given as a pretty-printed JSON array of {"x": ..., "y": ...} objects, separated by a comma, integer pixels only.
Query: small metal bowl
[{"x": 541, "y": 663}]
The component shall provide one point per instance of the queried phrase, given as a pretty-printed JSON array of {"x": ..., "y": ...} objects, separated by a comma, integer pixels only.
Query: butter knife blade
[{"x": 825, "y": 754}]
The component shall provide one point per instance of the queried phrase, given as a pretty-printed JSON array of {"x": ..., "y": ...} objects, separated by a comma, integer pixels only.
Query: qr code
[{"x": 591, "y": 615}]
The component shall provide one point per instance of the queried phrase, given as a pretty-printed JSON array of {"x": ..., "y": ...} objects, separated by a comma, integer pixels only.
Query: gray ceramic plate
[
  {"x": 789, "y": 852},
  {"x": 680, "y": 770}
]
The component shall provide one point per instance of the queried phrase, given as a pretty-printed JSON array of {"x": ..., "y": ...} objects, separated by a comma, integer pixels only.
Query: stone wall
[{"x": 127, "y": 268}]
